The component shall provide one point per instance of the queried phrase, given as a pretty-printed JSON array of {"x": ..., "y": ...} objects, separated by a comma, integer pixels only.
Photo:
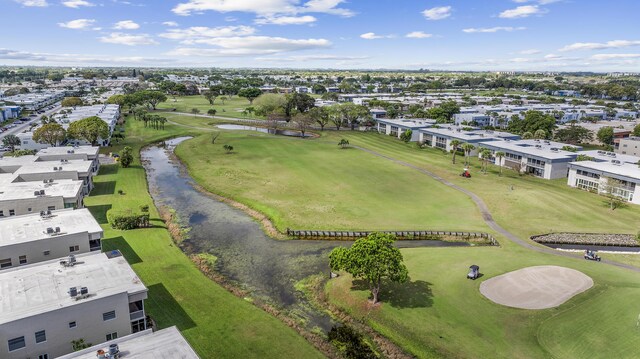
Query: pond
[
  {"x": 253, "y": 261},
  {"x": 263, "y": 130}
]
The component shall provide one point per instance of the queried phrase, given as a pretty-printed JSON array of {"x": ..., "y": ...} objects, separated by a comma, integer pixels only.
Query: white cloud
[
  {"x": 77, "y": 3},
  {"x": 418, "y": 35},
  {"x": 285, "y": 20},
  {"x": 33, "y": 3},
  {"x": 128, "y": 39},
  {"x": 250, "y": 45},
  {"x": 263, "y": 7},
  {"x": 170, "y": 23},
  {"x": 600, "y": 57},
  {"x": 437, "y": 13},
  {"x": 522, "y": 11},
  {"x": 6, "y": 54},
  {"x": 493, "y": 29},
  {"x": 614, "y": 44},
  {"x": 197, "y": 34},
  {"x": 374, "y": 36},
  {"x": 306, "y": 58},
  {"x": 78, "y": 24},
  {"x": 126, "y": 25},
  {"x": 529, "y": 52}
]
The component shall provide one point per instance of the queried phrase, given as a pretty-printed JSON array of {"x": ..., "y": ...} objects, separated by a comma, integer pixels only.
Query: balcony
[{"x": 136, "y": 315}]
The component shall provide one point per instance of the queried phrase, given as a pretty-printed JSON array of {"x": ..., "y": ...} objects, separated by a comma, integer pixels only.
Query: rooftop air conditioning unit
[
  {"x": 55, "y": 168},
  {"x": 57, "y": 229},
  {"x": 73, "y": 292},
  {"x": 36, "y": 193},
  {"x": 49, "y": 230}
]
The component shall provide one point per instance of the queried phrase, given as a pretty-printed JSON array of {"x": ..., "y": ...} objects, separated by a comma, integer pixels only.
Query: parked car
[
  {"x": 591, "y": 255},
  {"x": 474, "y": 272}
]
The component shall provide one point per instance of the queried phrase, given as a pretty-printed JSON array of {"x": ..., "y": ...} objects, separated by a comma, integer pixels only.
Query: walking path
[{"x": 486, "y": 214}]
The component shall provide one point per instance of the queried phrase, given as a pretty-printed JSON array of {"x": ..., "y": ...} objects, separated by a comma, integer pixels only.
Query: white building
[
  {"x": 396, "y": 127},
  {"x": 441, "y": 136},
  {"x": 540, "y": 158},
  {"x": 164, "y": 344},
  {"x": 108, "y": 113},
  {"x": 629, "y": 146},
  {"x": 45, "y": 306},
  {"x": 596, "y": 176},
  {"x": 37, "y": 100},
  {"x": 40, "y": 237},
  {"x": 472, "y": 119},
  {"x": 20, "y": 198}
]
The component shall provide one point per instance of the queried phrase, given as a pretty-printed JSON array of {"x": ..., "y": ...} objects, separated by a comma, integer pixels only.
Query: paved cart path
[{"x": 486, "y": 214}]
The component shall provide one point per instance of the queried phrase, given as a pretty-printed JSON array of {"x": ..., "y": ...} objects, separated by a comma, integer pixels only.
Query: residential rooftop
[
  {"x": 90, "y": 151},
  {"x": 39, "y": 288},
  {"x": 627, "y": 170},
  {"x": 608, "y": 156},
  {"x": 65, "y": 188},
  {"x": 408, "y": 122},
  {"x": 548, "y": 150},
  {"x": 80, "y": 166},
  {"x": 163, "y": 344},
  {"x": 33, "y": 227},
  {"x": 466, "y": 133}
]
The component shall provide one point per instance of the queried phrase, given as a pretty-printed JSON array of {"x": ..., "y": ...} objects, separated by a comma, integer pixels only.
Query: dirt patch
[{"x": 539, "y": 287}]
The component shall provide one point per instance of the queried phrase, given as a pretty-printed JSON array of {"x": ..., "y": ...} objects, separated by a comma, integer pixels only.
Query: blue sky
[{"x": 562, "y": 35}]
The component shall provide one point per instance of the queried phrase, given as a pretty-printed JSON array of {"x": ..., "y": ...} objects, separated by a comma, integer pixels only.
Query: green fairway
[
  {"x": 313, "y": 184},
  {"x": 216, "y": 323},
  {"x": 440, "y": 313},
  {"x": 231, "y": 108}
]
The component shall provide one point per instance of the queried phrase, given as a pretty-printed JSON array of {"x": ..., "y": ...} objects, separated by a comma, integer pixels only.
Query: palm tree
[
  {"x": 500, "y": 155},
  {"x": 454, "y": 148},
  {"x": 485, "y": 155},
  {"x": 467, "y": 148}
]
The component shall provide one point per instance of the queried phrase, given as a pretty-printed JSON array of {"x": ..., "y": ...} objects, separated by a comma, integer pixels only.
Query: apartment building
[
  {"x": 20, "y": 198},
  {"x": 396, "y": 127},
  {"x": 441, "y": 136},
  {"x": 540, "y": 158},
  {"x": 94, "y": 297},
  {"x": 163, "y": 344},
  {"x": 35, "y": 101},
  {"x": 48, "y": 235},
  {"x": 629, "y": 146},
  {"x": 612, "y": 177}
]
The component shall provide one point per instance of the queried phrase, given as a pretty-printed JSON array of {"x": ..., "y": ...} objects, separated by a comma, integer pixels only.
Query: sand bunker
[{"x": 537, "y": 287}]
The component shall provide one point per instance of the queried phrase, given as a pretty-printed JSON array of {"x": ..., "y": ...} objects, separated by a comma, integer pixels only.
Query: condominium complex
[
  {"x": 45, "y": 307},
  {"x": 48, "y": 235}
]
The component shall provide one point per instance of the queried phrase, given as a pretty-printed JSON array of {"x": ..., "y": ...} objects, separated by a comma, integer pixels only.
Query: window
[
  {"x": 72, "y": 325},
  {"x": 43, "y": 356},
  {"x": 46, "y": 253},
  {"x": 29, "y": 209},
  {"x": 41, "y": 336},
  {"x": 112, "y": 336},
  {"x": 16, "y": 343},
  {"x": 587, "y": 185},
  {"x": 138, "y": 326},
  {"x": 23, "y": 259},
  {"x": 51, "y": 208},
  {"x": 109, "y": 315},
  {"x": 12, "y": 212},
  {"x": 1, "y": 213},
  {"x": 5, "y": 263},
  {"x": 74, "y": 248}
]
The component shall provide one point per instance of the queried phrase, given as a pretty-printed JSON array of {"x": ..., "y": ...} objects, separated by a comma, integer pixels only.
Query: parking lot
[{"x": 20, "y": 125}]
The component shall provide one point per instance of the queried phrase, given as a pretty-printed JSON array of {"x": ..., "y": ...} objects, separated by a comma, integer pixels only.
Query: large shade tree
[
  {"x": 51, "y": 133},
  {"x": 11, "y": 141},
  {"x": 372, "y": 259},
  {"x": 89, "y": 129},
  {"x": 250, "y": 94}
]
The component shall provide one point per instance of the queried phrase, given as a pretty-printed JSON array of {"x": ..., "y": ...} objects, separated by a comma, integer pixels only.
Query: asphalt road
[{"x": 21, "y": 126}]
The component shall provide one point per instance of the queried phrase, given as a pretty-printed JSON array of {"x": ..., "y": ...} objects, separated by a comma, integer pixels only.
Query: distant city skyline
[{"x": 489, "y": 35}]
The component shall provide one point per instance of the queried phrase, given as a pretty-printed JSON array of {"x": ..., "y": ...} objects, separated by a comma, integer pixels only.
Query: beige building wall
[{"x": 90, "y": 326}]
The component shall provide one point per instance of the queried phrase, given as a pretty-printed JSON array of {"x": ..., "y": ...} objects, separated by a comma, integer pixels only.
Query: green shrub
[{"x": 127, "y": 220}]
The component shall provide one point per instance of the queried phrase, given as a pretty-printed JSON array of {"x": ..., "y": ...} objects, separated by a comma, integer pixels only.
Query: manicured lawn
[
  {"x": 313, "y": 184},
  {"x": 442, "y": 314},
  {"x": 216, "y": 323},
  {"x": 231, "y": 108}
]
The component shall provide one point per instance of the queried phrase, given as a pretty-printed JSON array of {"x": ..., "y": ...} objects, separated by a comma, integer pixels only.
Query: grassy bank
[
  {"x": 313, "y": 184},
  {"x": 216, "y": 323}
]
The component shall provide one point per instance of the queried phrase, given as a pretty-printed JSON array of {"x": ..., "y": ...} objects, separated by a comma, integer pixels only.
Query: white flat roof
[
  {"x": 408, "y": 122},
  {"x": 528, "y": 148},
  {"x": 608, "y": 156},
  {"x": 56, "y": 151},
  {"x": 628, "y": 170},
  {"x": 47, "y": 167},
  {"x": 33, "y": 227},
  {"x": 17, "y": 161},
  {"x": 65, "y": 188},
  {"x": 39, "y": 288},
  {"x": 164, "y": 344},
  {"x": 459, "y": 132}
]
